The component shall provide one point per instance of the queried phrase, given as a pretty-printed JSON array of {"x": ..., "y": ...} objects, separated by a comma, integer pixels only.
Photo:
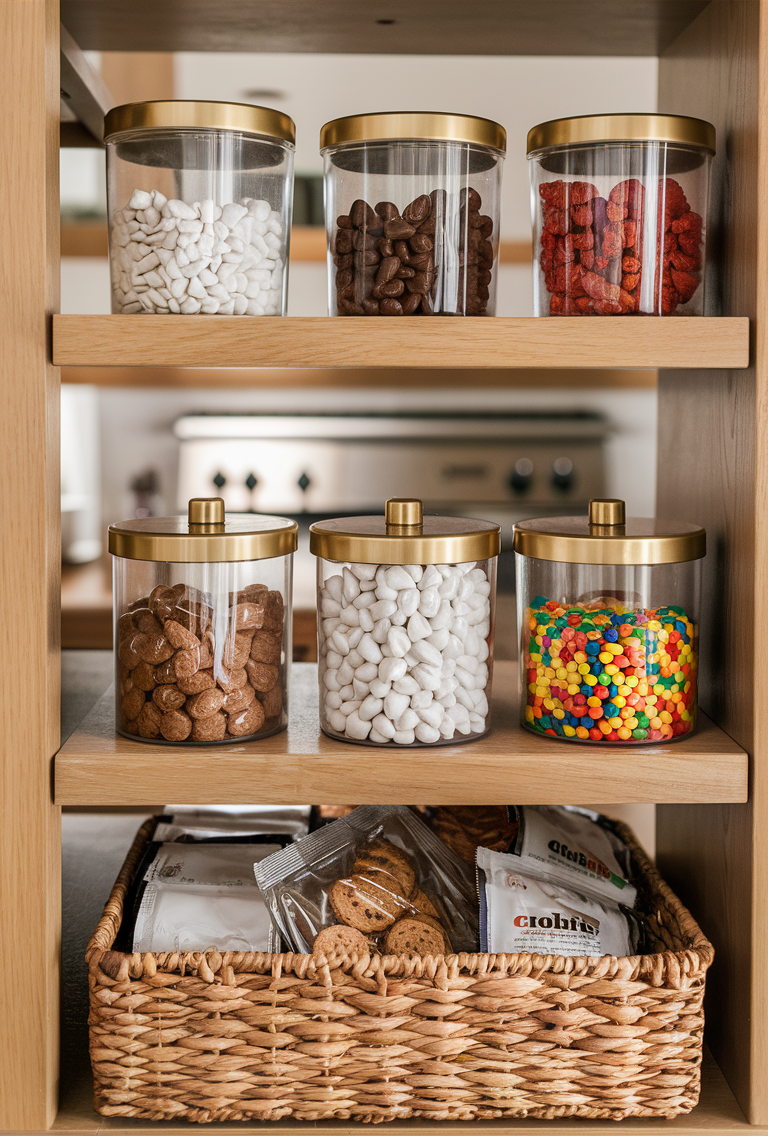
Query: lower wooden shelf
[
  {"x": 717, "y": 1112},
  {"x": 98, "y": 767}
]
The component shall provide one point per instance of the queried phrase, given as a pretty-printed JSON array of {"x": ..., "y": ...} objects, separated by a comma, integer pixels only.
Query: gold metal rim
[
  {"x": 179, "y": 114},
  {"x": 598, "y": 128},
  {"x": 132, "y": 541},
  {"x": 604, "y": 549},
  {"x": 404, "y": 548},
  {"x": 432, "y": 126}
]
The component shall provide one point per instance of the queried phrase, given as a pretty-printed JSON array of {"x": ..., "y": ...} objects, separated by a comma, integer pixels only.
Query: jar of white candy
[
  {"x": 405, "y": 626},
  {"x": 199, "y": 196}
]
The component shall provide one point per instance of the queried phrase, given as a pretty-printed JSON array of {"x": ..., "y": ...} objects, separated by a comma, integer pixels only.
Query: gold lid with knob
[
  {"x": 207, "y": 535},
  {"x": 608, "y": 536},
  {"x": 404, "y": 535}
]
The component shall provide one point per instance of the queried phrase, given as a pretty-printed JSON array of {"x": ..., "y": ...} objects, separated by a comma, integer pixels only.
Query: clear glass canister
[
  {"x": 405, "y": 626},
  {"x": 412, "y": 214},
  {"x": 608, "y": 612},
  {"x": 619, "y": 205},
  {"x": 199, "y": 197},
  {"x": 202, "y": 625}
]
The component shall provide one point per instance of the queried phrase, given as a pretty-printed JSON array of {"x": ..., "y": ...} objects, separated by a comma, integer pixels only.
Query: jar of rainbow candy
[{"x": 608, "y": 614}]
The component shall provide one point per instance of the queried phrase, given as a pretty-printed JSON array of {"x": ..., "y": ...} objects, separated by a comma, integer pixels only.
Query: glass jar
[
  {"x": 406, "y": 608},
  {"x": 619, "y": 205},
  {"x": 608, "y": 612},
  {"x": 412, "y": 214},
  {"x": 202, "y": 625},
  {"x": 199, "y": 199}
]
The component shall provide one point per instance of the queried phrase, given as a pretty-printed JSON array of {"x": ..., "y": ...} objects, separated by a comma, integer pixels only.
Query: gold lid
[
  {"x": 181, "y": 114},
  {"x": 205, "y": 536},
  {"x": 403, "y": 535},
  {"x": 607, "y": 536},
  {"x": 414, "y": 125},
  {"x": 622, "y": 128}
]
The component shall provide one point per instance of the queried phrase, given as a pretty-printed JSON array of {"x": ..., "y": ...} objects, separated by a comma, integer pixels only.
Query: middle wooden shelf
[
  {"x": 312, "y": 342},
  {"x": 98, "y": 767}
]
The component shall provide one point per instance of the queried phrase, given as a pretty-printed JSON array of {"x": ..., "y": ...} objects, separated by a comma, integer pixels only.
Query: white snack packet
[
  {"x": 201, "y": 896},
  {"x": 572, "y": 848},
  {"x": 524, "y": 911}
]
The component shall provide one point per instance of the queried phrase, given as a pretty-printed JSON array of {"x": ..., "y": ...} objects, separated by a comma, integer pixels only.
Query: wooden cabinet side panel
[
  {"x": 712, "y": 439},
  {"x": 30, "y": 867}
]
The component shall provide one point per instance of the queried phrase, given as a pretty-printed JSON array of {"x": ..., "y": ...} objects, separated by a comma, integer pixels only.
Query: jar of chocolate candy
[
  {"x": 608, "y": 611},
  {"x": 202, "y": 608},
  {"x": 619, "y": 205},
  {"x": 412, "y": 213}
]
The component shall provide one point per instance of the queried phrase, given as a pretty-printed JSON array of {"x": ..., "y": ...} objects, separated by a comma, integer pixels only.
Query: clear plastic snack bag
[
  {"x": 220, "y": 823},
  {"x": 578, "y": 848},
  {"x": 524, "y": 908},
  {"x": 375, "y": 880}
]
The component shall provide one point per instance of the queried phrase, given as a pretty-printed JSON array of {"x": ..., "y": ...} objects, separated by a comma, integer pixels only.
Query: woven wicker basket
[{"x": 241, "y": 1036}]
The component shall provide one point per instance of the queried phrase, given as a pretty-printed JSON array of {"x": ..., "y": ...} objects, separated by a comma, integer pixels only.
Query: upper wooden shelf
[
  {"x": 98, "y": 767},
  {"x": 431, "y": 27},
  {"x": 317, "y": 342}
]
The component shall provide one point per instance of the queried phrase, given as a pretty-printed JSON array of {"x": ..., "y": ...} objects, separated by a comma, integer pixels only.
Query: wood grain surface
[
  {"x": 431, "y": 27},
  {"x": 96, "y": 766},
  {"x": 30, "y": 550},
  {"x": 319, "y": 341},
  {"x": 713, "y": 469}
]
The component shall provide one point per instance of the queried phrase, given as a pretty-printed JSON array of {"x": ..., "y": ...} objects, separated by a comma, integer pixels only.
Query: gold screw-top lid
[
  {"x": 403, "y": 511},
  {"x": 403, "y": 535},
  {"x": 607, "y": 511},
  {"x": 608, "y": 536},
  {"x": 604, "y": 128},
  {"x": 188, "y": 114},
  {"x": 434, "y": 126},
  {"x": 206, "y": 511},
  {"x": 207, "y": 535}
]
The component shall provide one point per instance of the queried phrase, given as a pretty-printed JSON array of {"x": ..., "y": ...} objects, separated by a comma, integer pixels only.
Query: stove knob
[
  {"x": 303, "y": 483},
  {"x": 522, "y": 475},
  {"x": 562, "y": 474},
  {"x": 219, "y": 480}
]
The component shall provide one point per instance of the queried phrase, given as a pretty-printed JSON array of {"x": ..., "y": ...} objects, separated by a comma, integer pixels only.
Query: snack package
[
  {"x": 465, "y": 828},
  {"x": 193, "y": 897},
  {"x": 285, "y": 821},
  {"x": 375, "y": 880},
  {"x": 526, "y": 909},
  {"x": 577, "y": 848}
]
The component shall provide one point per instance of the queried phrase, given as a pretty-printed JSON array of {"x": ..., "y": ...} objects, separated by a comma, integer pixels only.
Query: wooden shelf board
[
  {"x": 432, "y": 27},
  {"x": 248, "y": 378},
  {"x": 299, "y": 342},
  {"x": 717, "y": 1112},
  {"x": 98, "y": 767}
]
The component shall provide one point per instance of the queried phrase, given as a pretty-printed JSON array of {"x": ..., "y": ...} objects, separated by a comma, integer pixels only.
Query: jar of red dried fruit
[{"x": 619, "y": 205}]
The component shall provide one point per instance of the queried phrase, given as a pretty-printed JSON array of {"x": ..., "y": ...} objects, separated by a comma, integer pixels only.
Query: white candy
[
  {"x": 404, "y": 647},
  {"x": 198, "y": 240}
]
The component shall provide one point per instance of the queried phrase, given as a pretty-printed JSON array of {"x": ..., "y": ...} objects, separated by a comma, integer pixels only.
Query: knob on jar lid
[
  {"x": 608, "y": 536},
  {"x": 207, "y": 535},
  {"x": 404, "y": 535}
]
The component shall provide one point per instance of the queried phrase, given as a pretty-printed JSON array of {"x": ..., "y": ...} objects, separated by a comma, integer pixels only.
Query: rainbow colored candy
[{"x": 599, "y": 672}]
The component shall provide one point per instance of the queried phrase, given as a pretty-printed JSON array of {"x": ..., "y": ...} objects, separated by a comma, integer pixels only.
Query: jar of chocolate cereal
[
  {"x": 202, "y": 611},
  {"x": 412, "y": 213}
]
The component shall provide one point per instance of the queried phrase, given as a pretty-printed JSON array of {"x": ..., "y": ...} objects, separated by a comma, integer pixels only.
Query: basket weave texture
[{"x": 250, "y": 1036}]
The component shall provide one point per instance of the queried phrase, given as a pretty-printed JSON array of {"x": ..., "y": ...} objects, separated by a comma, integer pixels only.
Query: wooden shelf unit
[
  {"x": 317, "y": 341},
  {"x": 713, "y": 464},
  {"x": 96, "y": 766}
]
